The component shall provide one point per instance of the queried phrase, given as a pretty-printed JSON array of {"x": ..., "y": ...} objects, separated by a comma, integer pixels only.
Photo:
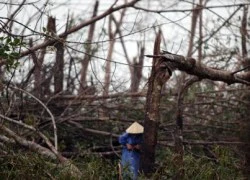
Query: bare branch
[
  {"x": 189, "y": 10},
  {"x": 190, "y": 66},
  {"x": 30, "y": 144},
  {"x": 13, "y": 15},
  {"x": 78, "y": 27},
  {"x": 49, "y": 112},
  {"x": 47, "y": 141},
  {"x": 218, "y": 29}
]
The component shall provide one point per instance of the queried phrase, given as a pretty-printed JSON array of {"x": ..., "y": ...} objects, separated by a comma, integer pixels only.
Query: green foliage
[
  {"x": 10, "y": 51},
  {"x": 98, "y": 168},
  {"x": 31, "y": 166},
  {"x": 226, "y": 167},
  {"x": 25, "y": 166}
]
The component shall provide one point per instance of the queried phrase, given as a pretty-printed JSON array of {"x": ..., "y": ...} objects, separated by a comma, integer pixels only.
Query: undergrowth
[
  {"x": 23, "y": 165},
  {"x": 225, "y": 166}
]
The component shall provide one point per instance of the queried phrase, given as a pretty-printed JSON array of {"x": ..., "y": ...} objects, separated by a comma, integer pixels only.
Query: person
[{"x": 131, "y": 142}]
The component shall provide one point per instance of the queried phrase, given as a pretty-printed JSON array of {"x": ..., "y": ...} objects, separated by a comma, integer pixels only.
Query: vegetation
[
  {"x": 23, "y": 165},
  {"x": 10, "y": 50},
  {"x": 72, "y": 82}
]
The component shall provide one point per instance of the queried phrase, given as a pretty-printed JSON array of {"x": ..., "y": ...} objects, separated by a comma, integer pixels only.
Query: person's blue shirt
[{"x": 130, "y": 157}]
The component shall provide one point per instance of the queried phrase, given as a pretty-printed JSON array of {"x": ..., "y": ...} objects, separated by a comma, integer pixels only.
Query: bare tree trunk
[
  {"x": 69, "y": 83},
  {"x": 158, "y": 77},
  {"x": 58, "y": 69},
  {"x": 200, "y": 35},
  {"x": 88, "y": 53},
  {"x": 245, "y": 125},
  {"x": 1, "y": 78},
  {"x": 135, "y": 67},
  {"x": 244, "y": 34},
  {"x": 109, "y": 58},
  {"x": 112, "y": 35},
  {"x": 195, "y": 16},
  {"x": 37, "y": 72},
  {"x": 136, "y": 74},
  {"x": 178, "y": 135},
  {"x": 38, "y": 60},
  {"x": 46, "y": 80},
  {"x": 59, "y": 61}
]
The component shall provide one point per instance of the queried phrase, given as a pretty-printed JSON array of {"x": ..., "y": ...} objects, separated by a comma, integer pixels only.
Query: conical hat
[{"x": 135, "y": 128}]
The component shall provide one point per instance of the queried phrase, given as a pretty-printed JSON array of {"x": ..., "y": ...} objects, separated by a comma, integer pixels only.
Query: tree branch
[
  {"x": 190, "y": 66},
  {"x": 31, "y": 145},
  {"x": 46, "y": 140},
  {"x": 51, "y": 115},
  {"x": 78, "y": 27}
]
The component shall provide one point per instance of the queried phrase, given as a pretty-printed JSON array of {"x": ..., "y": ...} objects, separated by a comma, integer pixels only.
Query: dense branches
[{"x": 73, "y": 85}]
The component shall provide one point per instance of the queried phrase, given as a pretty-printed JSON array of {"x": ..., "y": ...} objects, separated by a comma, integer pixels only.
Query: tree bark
[
  {"x": 245, "y": 125},
  {"x": 88, "y": 53},
  {"x": 200, "y": 34},
  {"x": 38, "y": 59},
  {"x": 136, "y": 73},
  {"x": 159, "y": 75},
  {"x": 37, "y": 70},
  {"x": 58, "y": 69},
  {"x": 47, "y": 77},
  {"x": 243, "y": 31},
  {"x": 178, "y": 134},
  {"x": 59, "y": 62},
  {"x": 195, "y": 15},
  {"x": 109, "y": 58}
]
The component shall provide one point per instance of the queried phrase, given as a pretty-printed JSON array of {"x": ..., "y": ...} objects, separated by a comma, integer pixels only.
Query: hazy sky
[{"x": 137, "y": 26}]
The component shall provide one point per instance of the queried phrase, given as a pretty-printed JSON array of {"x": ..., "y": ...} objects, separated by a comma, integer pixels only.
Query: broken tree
[{"x": 163, "y": 64}]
